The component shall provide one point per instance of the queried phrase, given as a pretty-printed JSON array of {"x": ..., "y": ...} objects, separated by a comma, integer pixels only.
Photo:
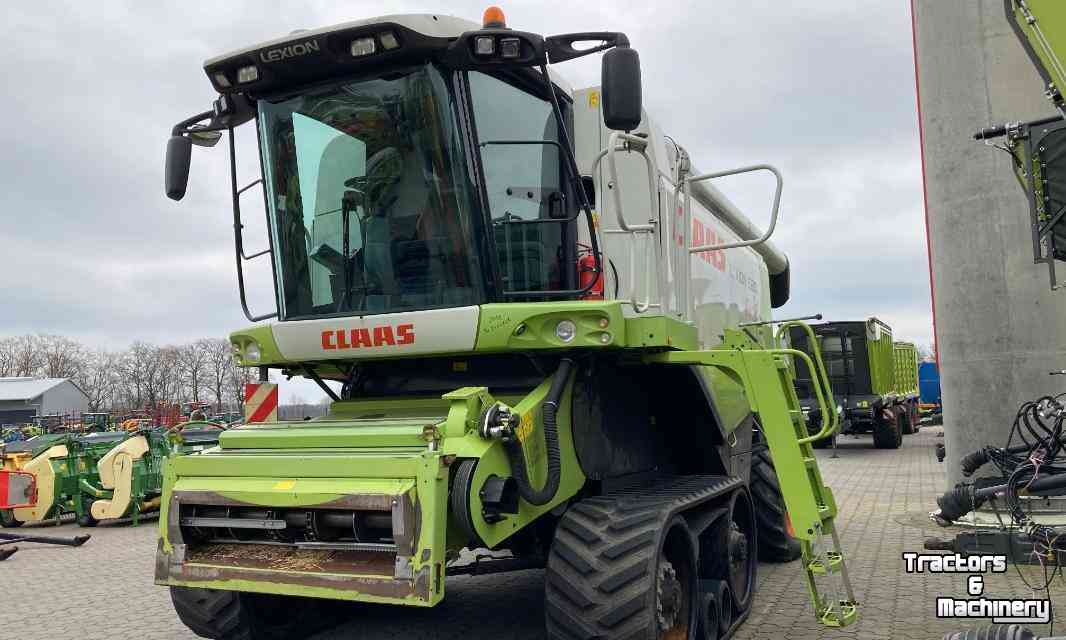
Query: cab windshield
[{"x": 370, "y": 206}]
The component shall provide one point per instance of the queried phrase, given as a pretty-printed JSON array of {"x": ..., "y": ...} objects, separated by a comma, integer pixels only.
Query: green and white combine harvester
[{"x": 532, "y": 301}]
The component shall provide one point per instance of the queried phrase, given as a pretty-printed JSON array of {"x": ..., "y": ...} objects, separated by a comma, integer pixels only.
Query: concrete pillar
[{"x": 999, "y": 327}]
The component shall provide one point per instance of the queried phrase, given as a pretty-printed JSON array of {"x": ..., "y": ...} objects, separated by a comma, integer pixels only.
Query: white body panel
[
  {"x": 727, "y": 287},
  {"x": 391, "y": 334}
]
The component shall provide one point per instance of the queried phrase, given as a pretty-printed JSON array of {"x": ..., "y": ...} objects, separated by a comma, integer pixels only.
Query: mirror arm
[
  {"x": 183, "y": 127},
  {"x": 560, "y": 48}
]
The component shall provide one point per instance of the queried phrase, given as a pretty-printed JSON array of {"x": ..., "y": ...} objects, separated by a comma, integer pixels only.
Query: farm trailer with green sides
[
  {"x": 874, "y": 380},
  {"x": 531, "y": 300}
]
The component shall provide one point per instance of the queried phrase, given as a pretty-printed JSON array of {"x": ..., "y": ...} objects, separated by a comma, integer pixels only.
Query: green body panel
[
  {"x": 516, "y": 327},
  {"x": 531, "y": 325},
  {"x": 882, "y": 357},
  {"x": 906, "y": 368}
]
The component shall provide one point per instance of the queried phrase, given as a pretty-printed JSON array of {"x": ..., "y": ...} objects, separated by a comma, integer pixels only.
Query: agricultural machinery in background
[
  {"x": 874, "y": 380},
  {"x": 95, "y": 476}
]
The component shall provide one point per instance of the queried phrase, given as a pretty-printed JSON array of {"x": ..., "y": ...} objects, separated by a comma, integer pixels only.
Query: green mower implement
[
  {"x": 99, "y": 476},
  {"x": 531, "y": 301}
]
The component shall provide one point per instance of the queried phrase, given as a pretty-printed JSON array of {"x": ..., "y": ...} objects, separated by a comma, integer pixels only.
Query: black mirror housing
[
  {"x": 620, "y": 88},
  {"x": 179, "y": 156}
]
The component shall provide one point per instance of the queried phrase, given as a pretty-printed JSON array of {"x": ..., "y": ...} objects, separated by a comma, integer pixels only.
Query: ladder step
[
  {"x": 817, "y": 568},
  {"x": 846, "y": 614}
]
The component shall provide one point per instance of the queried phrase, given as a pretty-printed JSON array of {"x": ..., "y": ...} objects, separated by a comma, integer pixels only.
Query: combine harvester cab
[{"x": 596, "y": 392}]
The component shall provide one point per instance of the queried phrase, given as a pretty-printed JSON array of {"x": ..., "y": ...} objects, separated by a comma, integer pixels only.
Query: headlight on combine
[
  {"x": 566, "y": 330},
  {"x": 247, "y": 351}
]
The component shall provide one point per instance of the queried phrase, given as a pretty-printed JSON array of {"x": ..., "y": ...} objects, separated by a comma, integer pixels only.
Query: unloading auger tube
[{"x": 500, "y": 422}]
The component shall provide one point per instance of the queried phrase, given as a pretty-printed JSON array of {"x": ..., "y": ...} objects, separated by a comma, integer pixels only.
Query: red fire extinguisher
[{"x": 586, "y": 275}]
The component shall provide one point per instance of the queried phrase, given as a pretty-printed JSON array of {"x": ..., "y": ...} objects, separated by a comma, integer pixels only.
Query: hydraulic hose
[
  {"x": 516, "y": 454},
  {"x": 998, "y": 632}
]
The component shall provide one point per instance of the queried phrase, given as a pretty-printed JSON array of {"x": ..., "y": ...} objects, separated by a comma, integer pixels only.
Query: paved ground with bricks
[{"x": 104, "y": 590}]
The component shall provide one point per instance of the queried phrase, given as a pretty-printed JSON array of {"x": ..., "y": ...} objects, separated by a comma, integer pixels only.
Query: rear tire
[
  {"x": 231, "y": 615},
  {"x": 775, "y": 545},
  {"x": 887, "y": 434},
  {"x": 907, "y": 423},
  {"x": 825, "y": 443}
]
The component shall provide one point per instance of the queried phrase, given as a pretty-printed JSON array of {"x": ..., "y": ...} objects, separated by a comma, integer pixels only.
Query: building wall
[
  {"x": 65, "y": 397},
  {"x": 999, "y": 327}
]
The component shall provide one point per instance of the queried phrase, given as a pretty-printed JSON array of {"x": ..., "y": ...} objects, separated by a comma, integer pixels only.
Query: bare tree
[
  {"x": 237, "y": 377},
  {"x": 100, "y": 379},
  {"x": 27, "y": 356},
  {"x": 7, "y": 357},
  {"x": 140, "y": 375},
  {"x": 219, "y": 362},
  {"x": 61, "y": 357},
  {"x": 194, "y": 364},
  {"x": 168, "y": 376}
]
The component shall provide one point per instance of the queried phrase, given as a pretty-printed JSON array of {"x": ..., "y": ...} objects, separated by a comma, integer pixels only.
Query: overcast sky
[{"x": 93, "y": 249}]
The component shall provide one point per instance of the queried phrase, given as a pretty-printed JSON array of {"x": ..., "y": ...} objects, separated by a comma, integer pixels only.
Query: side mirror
[
  {"x": 179, "y": 155},
  {"x": 202, "y": 138},
  {"x": 620, "y": 86}
]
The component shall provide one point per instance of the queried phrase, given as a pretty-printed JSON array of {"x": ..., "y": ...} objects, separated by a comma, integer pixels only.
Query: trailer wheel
[
  {"x": 907, "y": 425},
  {"x": 825, "y": 443},
  {"x": 888, "y": 432},
  {"x": 775, "y": 545},
  {"x": 231, "y": 615},
  {"x": 632, "y": 576},
  {"x": 916, "y": 418},
  {"x": 7, "y": 519}
]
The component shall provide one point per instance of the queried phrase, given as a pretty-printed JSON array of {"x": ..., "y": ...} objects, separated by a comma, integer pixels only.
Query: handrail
[
  {"x": 828, "y": 428},
  {"x": 822, "y": 405},
  {"x": 630, "y": 143},
  {"x": 773, "y": 212},
  {"x": 619, "y": 141}
]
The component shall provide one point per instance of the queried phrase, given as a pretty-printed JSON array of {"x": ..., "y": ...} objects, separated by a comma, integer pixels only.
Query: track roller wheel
[
  {"x": 775, "y": 545},
  {"x": 230, "y": 615},
  {"x": 621, "y": 572},
  {"x": 729, "y": 552}
]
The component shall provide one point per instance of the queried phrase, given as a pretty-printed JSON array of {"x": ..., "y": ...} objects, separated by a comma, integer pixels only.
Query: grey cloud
[{"x": 822, "y": 89}]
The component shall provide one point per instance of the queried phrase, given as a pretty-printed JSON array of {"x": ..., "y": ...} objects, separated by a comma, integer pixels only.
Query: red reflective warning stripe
[
  {"x": 269, "y": 404},
  {"x": 4, "y": 488},
  {"x": 249, "y": 390}
]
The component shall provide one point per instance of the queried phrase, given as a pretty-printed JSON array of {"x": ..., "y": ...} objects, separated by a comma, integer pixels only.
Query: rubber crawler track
[{"x": 600, "y": 582}]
